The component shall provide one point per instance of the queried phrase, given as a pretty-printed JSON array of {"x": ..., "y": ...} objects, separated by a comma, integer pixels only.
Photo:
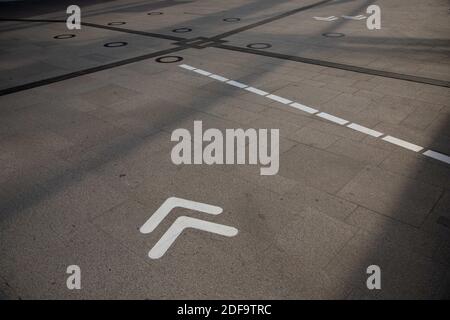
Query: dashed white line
[
  {"x": 324, "y": 115},
  {"x": 365, "y": 130},
  {"x": 279, "y": 99},
  {"x": 304, "y": 108},
  {"x": 402, "y": 143},
  {"x": 437, "y": 156},
  {"x": 187, "y": 67},
  {"x": 202, "y": 72},
  {"x": 332, "y": 118},
  {"x": 257, "y": 91},
  {"x": 237, "y": 84},
  {"x": 217, "y": 77}
]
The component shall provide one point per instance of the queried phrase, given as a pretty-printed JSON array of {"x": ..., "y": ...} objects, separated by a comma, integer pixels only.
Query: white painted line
[
  {"x": 330, "y": 18},
  {"x": 202, "y": 72},
  {"x": 279, "y": 99},
  {"x": 332, "y": 118},
  {"x": 303, "y": 108},
  {"x": 365, "y": 130},
  {"x": 187, "y": 67},
  {"x": 217, "y": 77},
  {"x": 257, "y": 91},
  {"x": 437, "y": 156},
  {"x": 402, "y": 143},
  {"x": 237, "y": 84},
  {"x": 327, "y": 116},
  {"x": 358, "y": 17},
  {"x": 182, "y": 223},
  {"x": 174, "y": 202}
]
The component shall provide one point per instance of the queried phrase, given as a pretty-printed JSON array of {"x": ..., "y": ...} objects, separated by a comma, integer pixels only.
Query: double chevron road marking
[{"x": 182, "y": 223}]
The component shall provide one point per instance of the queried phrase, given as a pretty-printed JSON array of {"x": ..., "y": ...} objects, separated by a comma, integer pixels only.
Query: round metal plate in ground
[
  {"x": 169, "y": 59},
  {"x": 116, "y": 23},
  {"x": 260, "y": 45},
  {"x": 115, "y": 44},
  {"x": 333, "y": 35},
  {"x": 154, "y": 13},
  {"x": 232, "y": 19},
  {"x": 64, "y": 36},
  {"x": 182, "y": 30}
]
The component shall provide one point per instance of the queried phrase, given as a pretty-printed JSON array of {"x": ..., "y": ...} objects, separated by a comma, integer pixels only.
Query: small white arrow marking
[
  {"x": 182, "y": 223},
  {"x": 330, "y": 18},
  {"x": 358, "y": 17},
  {"x": 172, "y": 203}
]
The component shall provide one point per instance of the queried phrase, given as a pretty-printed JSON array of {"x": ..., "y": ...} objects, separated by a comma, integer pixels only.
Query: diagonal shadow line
[{"x": 323, "y": 63}]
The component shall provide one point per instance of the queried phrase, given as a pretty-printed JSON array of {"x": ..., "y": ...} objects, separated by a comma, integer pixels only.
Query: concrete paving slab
[{"x": 373, "y": 186}]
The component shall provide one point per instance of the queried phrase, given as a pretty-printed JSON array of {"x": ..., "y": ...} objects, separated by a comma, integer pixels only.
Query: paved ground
[{"x": 85, "y": 150}]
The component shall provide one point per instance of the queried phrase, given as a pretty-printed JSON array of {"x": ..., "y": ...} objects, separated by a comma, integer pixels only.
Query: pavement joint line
[
  {"x": 332, "y": 118},
  {"x": 365, "y": 130},
  {"x": 402, "y": 143},
  {"x": 341, "y": 66},
  {"x": 83, "y": 72},
  {"x": 374, "y": 133}
]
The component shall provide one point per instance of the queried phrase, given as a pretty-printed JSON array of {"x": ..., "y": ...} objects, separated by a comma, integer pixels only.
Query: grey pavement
[{"x": 85, "y": 150}]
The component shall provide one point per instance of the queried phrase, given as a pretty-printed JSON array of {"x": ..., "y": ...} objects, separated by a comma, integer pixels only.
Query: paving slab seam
[
  {"x": 326, "y": 116},
  {"x": 341, "y": 66}
]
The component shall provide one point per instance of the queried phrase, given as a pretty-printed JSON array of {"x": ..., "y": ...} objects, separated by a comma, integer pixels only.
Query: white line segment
[
  {"x": 217, "y": 77},
  {"x": 237, "y": 84},
  {"x": 202, "y": 72},
  {"x": 303, "y": 108},
  {"x": 365, "y": 130},
  {"x": 402, "y": 143},
  {"x": 187, "y": 67},
  {"x": 279, "y": 99},
  {"x": 257, "y": 91},
  {"x": 437, "y": 156},
  {"x": 332, "y": 118}
]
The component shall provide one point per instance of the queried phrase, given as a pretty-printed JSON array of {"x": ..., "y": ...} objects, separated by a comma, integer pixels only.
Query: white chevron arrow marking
[
  {"x": 330, "y": 18},
  {"x": 358, "y": 17},
  {"x": 172, "y": 203},
  {"x": 182, "y": 223}
]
